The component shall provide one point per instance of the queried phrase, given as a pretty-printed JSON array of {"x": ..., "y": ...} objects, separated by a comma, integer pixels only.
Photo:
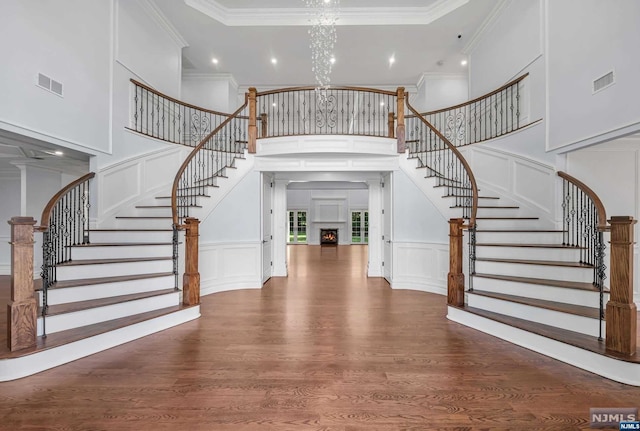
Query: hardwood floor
[{"x": 324, "y": 349}]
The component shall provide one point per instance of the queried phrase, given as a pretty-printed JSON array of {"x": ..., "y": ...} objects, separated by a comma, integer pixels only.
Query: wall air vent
[
  {"x": 603, "y": 82},
  {"x": 49, "y": 84}
]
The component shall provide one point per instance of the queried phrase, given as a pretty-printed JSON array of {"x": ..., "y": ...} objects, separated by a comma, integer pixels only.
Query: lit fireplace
[{"x": 328, "y": 236}]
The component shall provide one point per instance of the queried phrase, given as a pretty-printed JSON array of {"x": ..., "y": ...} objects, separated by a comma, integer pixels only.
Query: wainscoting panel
[
  {"x": 420, "y": 266},
  {"x": 230, "y": 266}
]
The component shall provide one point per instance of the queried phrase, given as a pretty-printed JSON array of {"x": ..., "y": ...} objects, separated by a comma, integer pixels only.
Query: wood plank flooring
[{"x": 323, "y": 349}]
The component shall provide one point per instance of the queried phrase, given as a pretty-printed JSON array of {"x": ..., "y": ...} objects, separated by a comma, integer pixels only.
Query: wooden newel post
[
  {"x": 263, "y": 122},
  {"x": 191, "y": 277},
  {"x": 22, "y": 308},
  {"x": 253, "y": 128},
  {"x": 621, "y": 314},
  {"x": 400, "y": 126},
  {"x": 391, "y": 124},
  {"x": 455, "y": 279}
]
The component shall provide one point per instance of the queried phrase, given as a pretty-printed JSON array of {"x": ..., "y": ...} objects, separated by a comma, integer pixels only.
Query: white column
[
  {"x": 280, "y": 228},
  {"x": 375, "y": 229}
]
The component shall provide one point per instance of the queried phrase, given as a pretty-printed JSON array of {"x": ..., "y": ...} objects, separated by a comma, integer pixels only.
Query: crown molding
[
  {"x": 161, "y": 19},
  {"x": 486, "y": 25},
  {"x": 348, "y": 16}
]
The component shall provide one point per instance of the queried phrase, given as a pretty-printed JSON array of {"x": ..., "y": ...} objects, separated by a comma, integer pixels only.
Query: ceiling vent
[
  {"x": 49, "y": 84},
  {"x": 603, "y": 82}
]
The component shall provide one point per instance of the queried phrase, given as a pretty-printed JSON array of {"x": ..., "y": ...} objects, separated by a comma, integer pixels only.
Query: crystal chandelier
[{"x": 323, "y": 17}]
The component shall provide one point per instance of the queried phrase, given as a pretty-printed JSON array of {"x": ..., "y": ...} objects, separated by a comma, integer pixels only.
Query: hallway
[{"x": 324, "y": 349}]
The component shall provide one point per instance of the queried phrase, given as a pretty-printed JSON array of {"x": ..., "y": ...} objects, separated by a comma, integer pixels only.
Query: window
[
  {"x": 297, "y": 227},
  {"x": 359, "y": 227}
]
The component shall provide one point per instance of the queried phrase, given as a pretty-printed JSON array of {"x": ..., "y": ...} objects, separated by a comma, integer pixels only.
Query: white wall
[
  {"x": 437, "y": 91},
  {"x": 415, "y": 218},
  {"x": 10, "y": 192},
  {"x": 237, "y": 217},
  {"x": 215, "y": 92},
  {"x": 328, "y": 209},
  {"x": 68, "y": 41},
  {"x": 512, "y": 45},
  {"x": 586, "y": 40}
]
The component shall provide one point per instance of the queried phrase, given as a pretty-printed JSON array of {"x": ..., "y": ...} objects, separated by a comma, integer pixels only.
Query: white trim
[
  {"x": 597, "y": 138},
  {"x": 15, "y": 368},
  {"x": 614, "y": 369},
  {"x": 5, "y": 269},
  {"x": 486, "y": 25},
  {"x": 348, "y": 15},
  {"x": 161, "y": 19}
]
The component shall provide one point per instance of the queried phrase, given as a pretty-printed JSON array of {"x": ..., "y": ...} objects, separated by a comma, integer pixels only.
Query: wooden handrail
[
  {"x": 368, "y": 90},
  {"x": 602, "y": 213},
  {"x": 183, "y": 167},
  {"x": 472, "y": 179},
  {"x": 46, "y": 213},
  {"x": 180, "y": 102},
  {"x": 477, "y": 99}
]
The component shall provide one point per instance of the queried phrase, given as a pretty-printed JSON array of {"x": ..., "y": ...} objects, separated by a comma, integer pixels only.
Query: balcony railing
[{"x": 486, "y": 117}]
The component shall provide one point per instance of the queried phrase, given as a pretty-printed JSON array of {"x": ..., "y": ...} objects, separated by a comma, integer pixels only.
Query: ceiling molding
[
  {"x": 439, "y": 75},
  {"x": 161, "y": 19},
  {"x": 348, "y": 16},
  {"x": 486, "y": 25}
]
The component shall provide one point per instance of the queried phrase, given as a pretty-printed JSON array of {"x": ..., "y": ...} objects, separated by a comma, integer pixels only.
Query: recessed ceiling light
[
  {"x": 392, "y": 60},
  {"x": 214, "y": 60},
  {"x": 58, "y": 153},
  {"x": 381, "y": 103},
  {"x": 273, "y": 104},
  {"x": 332, "y": 60},
  {"x": 274, "y": 60},
  {"x": 463, "y": 62}
]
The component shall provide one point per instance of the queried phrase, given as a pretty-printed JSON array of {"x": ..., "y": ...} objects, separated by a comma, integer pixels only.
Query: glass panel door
[
  {"x": 359, "y": 227},
  {"x": 297, "y": 227}
]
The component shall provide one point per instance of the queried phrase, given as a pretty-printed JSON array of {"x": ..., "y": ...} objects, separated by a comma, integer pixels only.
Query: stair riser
[
  {"x": 143, "y": 223},
  {"x": 519, "y": 237},
  {"x": 528, "y": 253},
  {"x": 114, "y": 252},
  {"x": 536, "y": 271},
  {"x": 74, "y": 272},
  {"x": 584, "y": 325},
  {"x": 106, "y": 290},
  {"x": 91, "y": 316},
  {"x": 548, "y": 293},
  {"x": 133, "y": 236},
  {"x": 508, "y": 223}
]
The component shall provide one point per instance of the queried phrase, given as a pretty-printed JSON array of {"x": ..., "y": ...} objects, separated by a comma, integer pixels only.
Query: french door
[
  {"x": 297, "y": 227},
  {"x": 359, "y": 227}
]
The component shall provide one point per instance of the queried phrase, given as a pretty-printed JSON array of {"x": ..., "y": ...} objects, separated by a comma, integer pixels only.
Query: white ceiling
[{"x": 362, "y": 51}]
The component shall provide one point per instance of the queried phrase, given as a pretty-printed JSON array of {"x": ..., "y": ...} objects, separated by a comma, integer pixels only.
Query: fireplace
[{"x": 329, "y": 237}]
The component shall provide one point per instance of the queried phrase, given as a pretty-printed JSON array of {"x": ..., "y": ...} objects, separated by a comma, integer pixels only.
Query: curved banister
[
  {"x": 479, "y": 98},
  {"x": 602, "y": 213},
  {"x": 463, "y": 161},
  {"x": 185, "y": 164},
  {"x": 486, "y": 117},
  {"x": 46, "y": 213},
  {"x": 179, "y": 102}
]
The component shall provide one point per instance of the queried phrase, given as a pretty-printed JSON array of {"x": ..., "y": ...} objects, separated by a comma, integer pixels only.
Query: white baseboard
[
  {"x": 614, "y": 369},
  {"x": 422, "y": 287}
]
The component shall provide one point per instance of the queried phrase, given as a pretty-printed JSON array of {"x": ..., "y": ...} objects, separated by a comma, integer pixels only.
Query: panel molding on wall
[
  {"x": 420, "y": 266},
  {"x": 5, "y": 255},
  {"x": 131, "y": 181},
  {"x": 230, "y": 266}
]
